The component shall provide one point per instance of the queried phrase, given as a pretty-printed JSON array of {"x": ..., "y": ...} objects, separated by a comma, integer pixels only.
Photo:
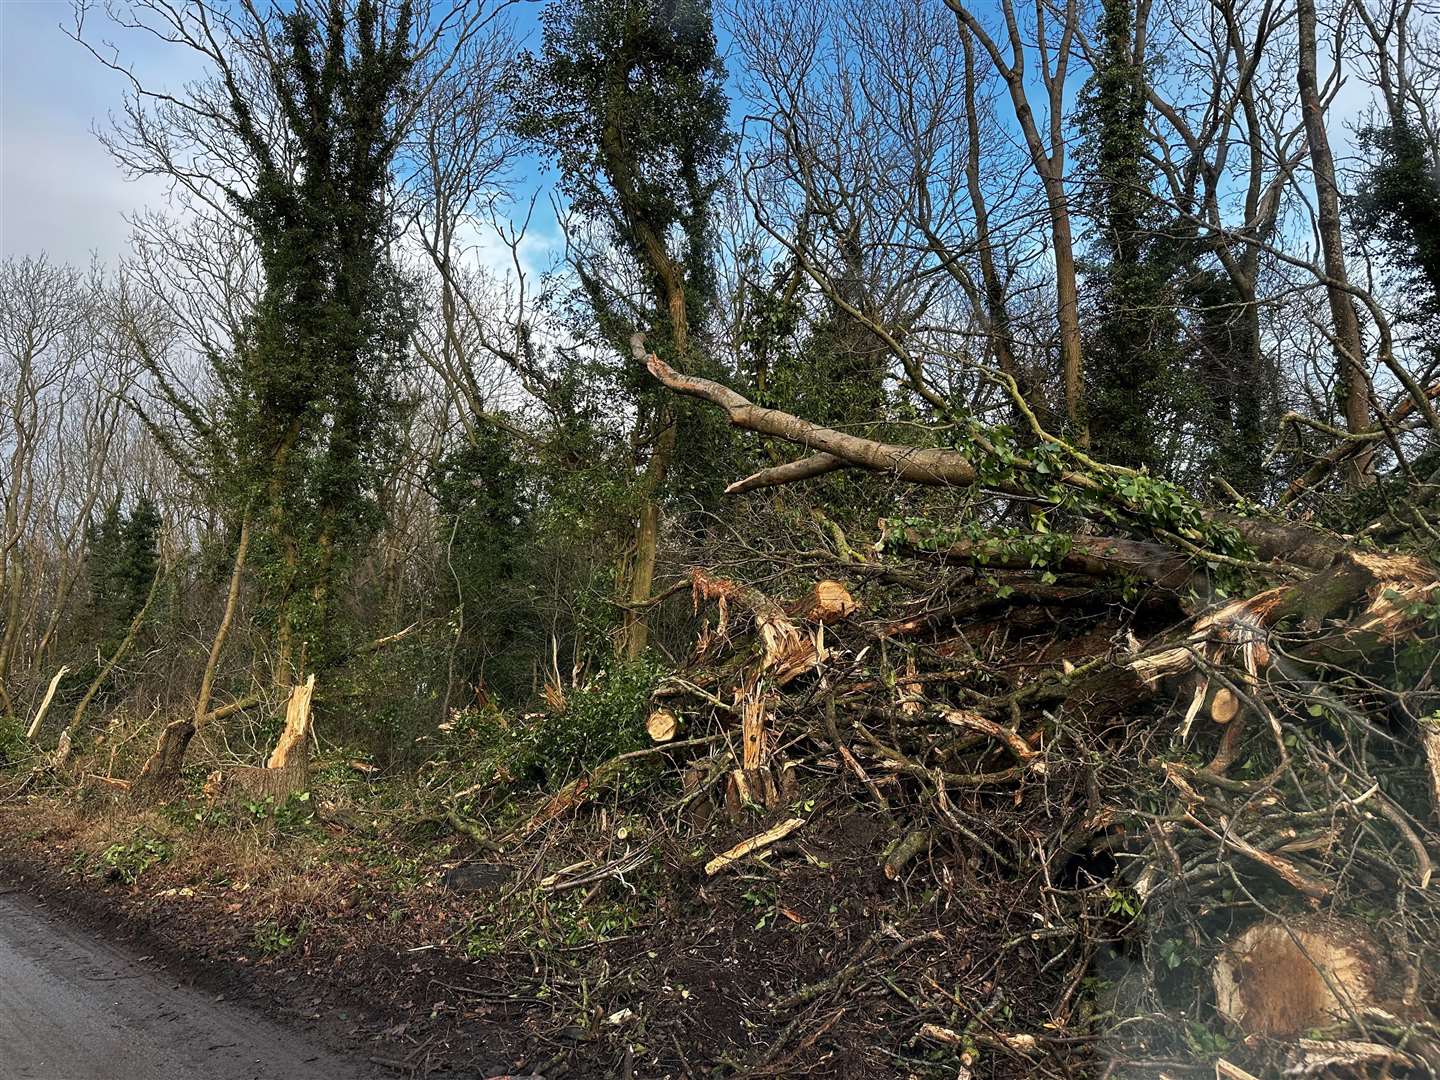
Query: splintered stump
[
  {"x": 290, "y": 747},
  {"x": 287, "y": 770},
  {"x": 1283, "y": 978}
]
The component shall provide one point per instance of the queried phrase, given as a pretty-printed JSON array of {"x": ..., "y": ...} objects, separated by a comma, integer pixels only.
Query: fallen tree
[{"x": 1221, "y": 721}]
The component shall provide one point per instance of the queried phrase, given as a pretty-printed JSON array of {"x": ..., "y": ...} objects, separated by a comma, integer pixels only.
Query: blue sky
[{"x": 59, "y": 191}]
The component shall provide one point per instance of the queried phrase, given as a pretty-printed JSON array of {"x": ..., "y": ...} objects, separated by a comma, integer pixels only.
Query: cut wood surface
[
  {"x": 1279, "y": 978},
  {"x": 661, "y": 725}
]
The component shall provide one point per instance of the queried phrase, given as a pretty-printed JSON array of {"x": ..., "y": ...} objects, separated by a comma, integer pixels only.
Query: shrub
[
  {"x": 126, "y": 862},
  {"x": 14, "y": 747},
  {"x": 593, "y": 723}
]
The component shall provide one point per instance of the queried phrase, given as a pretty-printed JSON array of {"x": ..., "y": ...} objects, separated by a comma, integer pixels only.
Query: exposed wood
[
  {"x": 966, "y": 718},
  {"x": 115, "y": 783},
  {"x": 748, "y": 847},
  {"x": 1224, "y": 1070},
  {"x": 1224, "y": 706},
  {"x": 749, "y": 789},
  {"x": 1281, "y": 979},
  {"x": 1430, "y": 742},
  {"x": 290, "y": 747},
  {"x": 45, "y": 703},
  {"x": 753, "y": 711},
  {"x": 827, "y": 602},
  {"x": 661, "y": 725}
]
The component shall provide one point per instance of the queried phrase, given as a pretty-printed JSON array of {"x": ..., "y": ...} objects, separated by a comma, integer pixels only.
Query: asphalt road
[{"x": 74, "y": 1007}]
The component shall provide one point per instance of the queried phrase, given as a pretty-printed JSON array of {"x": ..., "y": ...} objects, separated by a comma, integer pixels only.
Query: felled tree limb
[
  {"x": 1302, "y": 545},
  {"x": 1094, "y": 556},
  {"x": 749, "y": 847},
  {"x": 792, "y": 472},
  {"x": 919, "y": 465}
]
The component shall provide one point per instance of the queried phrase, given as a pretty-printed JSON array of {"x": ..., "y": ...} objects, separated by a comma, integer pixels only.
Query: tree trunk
[
  {"x": 162, "y": 769},
  {"x": 647, "y": 531},
  {"x": 647, "y": 538},
  {"x": 1067, "y": 313},
  {"x": 1350, "y": 350}
]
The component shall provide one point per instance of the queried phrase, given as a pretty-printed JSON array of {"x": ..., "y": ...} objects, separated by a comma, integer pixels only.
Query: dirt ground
[{"x": 421, "y": 955}]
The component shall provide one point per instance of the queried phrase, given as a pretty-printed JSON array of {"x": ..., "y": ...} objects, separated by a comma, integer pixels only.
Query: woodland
[{"x": 944, "y": 491}]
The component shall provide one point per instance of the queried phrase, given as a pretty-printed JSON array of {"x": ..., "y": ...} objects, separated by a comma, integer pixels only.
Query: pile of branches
[{"x": 1207, "y": 742}]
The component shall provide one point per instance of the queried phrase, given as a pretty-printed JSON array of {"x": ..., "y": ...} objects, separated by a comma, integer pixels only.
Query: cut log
[
  {"x": 1284, "y": 978},
  {"x": 827, "y": 602},
  {"x": 661, "y": 725},
  {"x": 1224, "y": 706}
]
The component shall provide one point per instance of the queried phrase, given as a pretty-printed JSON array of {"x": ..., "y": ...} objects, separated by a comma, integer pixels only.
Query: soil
[{"x": 806, "y": 963}]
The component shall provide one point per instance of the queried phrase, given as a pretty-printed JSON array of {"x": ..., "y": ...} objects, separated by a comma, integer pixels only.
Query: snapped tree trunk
[{"x": 162, "y": 769}]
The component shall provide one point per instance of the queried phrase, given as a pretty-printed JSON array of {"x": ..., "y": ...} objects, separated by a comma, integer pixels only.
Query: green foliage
[
  {"x": 122, "y": 557},
  {"x": 126, "y": 862},
  {"x": 1399, "y": 201},
  {"x": 1229, "y": 391},
  {"x": 597, "y": 721},
  {"x": 1132, "y": 346},
  {"x": 14, "y": 748},
  {"x": 603, "y": 718},
  {"x": 628, "y": 96},
  {"x": 308, "y": 392},
  {"x": 272, "y": 939},
  {"x": 487, "y": 533}
]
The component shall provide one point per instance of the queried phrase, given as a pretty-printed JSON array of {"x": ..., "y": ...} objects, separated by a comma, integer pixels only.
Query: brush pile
[{"x": 1204, "y": 747}]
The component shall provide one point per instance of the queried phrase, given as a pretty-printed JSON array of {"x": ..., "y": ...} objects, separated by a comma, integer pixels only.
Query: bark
[
  {"x": 997, "y": 317},
  {"x": 647, "y": 538},
  {"x": 1349, "y": 348},
  {"x": 1295, "y": 544},
  {"x": 915, "y": 464},
  {"x": 162, "y": 769}
]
